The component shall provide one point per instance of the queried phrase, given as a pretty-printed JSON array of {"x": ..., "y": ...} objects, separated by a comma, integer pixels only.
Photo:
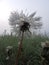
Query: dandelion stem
[{"x": 19, "y": 48}]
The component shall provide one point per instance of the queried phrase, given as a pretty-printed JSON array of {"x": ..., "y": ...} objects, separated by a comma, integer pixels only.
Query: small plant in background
[
  {"x": 45, "y": 52},
  {"x": 9, "y": 52},
  {"x": 22, "y": 24}
]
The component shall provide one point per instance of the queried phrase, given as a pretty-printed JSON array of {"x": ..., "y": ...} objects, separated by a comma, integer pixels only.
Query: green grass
[{"x": 31, "y": 49}]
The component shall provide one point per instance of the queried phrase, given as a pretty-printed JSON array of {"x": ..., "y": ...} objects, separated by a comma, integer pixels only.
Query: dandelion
[
  {"x": 45, "y": 44},
  {"x": 21, "y": 22},
  {"x": 9, "y": 52},
  {"x": 45, "y": 52},
  {"x": 42, "y": 44},
  {"x": 21, "y": 25},
  {"x": 7, "y": 58}
]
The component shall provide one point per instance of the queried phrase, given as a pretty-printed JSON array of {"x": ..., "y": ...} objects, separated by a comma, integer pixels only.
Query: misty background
[{"x": 28, "y": 6}]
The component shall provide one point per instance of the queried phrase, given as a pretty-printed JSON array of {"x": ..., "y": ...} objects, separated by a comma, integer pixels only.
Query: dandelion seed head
[
  {"x": 7, "y": 58},
  {"x": 45, "y": 44},
  {"x": 8, "y": 47}
]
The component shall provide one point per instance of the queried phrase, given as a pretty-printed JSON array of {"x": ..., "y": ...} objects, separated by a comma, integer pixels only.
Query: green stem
[{"x": 19, "y": 48}]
